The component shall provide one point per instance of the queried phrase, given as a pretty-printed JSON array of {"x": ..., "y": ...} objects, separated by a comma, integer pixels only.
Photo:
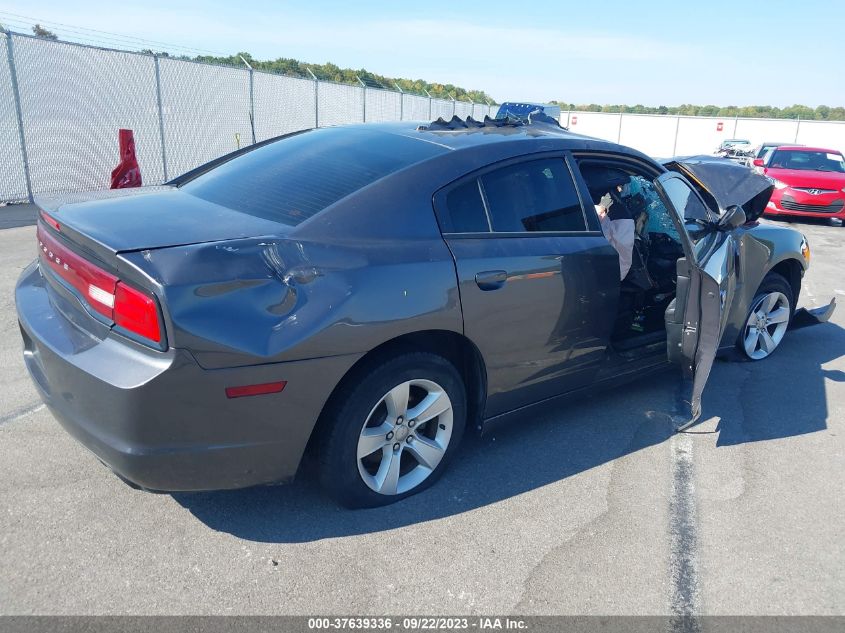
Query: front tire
[
  {"x": 768, "y": 319},
  {"x": 392, "y": 430}
]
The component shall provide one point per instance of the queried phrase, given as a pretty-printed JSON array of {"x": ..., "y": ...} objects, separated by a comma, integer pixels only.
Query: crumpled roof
[{"x": 457, "y": 123}]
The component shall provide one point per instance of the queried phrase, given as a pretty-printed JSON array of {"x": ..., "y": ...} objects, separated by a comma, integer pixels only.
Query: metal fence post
[
  {"x": 316, "y": 98},
  {"x": 797, "y": 127},
  {"x": 18, "y": 112},
  {"x": 429, "y": 103},
  {"x": 252, "y": 105},
  {"x": 160, "y": 118},
  {"x": 736, "y": 122},
  {"x": 454, "y": 103},
  {"x": 401, "y": 102},
  {"x": 619, "y": 129},
  {"x": 251, "y": 99},
  {"x": 363, "y": 96},
  {"x": 675, "y": 144}
]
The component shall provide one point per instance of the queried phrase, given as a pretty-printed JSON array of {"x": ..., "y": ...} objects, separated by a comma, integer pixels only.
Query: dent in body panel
[{"x": 261, "y": 300}]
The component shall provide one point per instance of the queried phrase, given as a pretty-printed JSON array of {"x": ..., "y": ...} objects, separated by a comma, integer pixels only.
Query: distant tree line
[
  {"x": 327, "y": 72},
  {"x": 332, "y": 72},
  {"x": 821, "y": 113}
]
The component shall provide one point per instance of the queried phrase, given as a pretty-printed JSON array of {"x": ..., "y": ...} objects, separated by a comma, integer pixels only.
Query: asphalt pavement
[{"x": 596, "y": 508}]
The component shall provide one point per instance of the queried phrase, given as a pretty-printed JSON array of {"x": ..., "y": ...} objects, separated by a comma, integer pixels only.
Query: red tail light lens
[
  {"x": 131, "y": 309},
  {"x": 51, "y": 221},
  {"x": 94, "y": 284},
  {"x": 137, "y": 312}
]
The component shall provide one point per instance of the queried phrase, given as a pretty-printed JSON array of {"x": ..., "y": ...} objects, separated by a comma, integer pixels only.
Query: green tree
[{"x": 40, "y": 31}]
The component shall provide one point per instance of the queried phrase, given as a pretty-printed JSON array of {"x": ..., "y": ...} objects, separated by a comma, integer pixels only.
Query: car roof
[{"x": 460, "y": 137}]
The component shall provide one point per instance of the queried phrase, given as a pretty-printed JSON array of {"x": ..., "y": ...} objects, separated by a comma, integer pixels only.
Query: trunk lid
[{"x": 113, "y": 221}]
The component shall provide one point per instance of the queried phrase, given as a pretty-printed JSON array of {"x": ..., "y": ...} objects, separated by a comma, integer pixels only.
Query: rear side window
[
  {"x": 537, "y": 195},
  {"x": 293, "y": 179},
  {"x": 465, "y": 209}
]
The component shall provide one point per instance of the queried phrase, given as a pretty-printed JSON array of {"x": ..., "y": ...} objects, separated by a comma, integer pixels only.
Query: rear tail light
[
  {"x": 136, "y": 312},
  {"x": 51, "y": 221},
  {"x": 129, "y": 309},
  {"x": 95, "y": 285}
]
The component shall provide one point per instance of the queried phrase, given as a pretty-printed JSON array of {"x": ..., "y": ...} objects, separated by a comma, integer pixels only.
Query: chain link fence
[{"x": 61, "y": 105}]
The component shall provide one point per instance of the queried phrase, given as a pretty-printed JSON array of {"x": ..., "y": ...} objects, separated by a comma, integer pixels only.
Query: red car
[{"x": 809, "y": 182}]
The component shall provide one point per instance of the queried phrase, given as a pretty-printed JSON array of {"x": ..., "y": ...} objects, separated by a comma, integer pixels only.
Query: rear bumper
[{"x": 158, "y": 419}]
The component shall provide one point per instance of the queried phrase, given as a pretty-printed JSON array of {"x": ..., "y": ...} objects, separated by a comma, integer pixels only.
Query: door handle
[{"x": 491, "y": 279}]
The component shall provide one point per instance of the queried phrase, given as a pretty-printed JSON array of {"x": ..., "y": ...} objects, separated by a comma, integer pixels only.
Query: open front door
[{"x": 696, "y": 318}]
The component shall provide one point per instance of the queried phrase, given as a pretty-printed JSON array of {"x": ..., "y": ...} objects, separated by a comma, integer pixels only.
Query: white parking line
[
  {"x": 683, "y": 556},
  {"x": 21, "y": 412}
]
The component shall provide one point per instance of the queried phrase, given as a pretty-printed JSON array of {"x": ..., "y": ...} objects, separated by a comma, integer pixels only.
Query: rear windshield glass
[{"x": 295, "y": 178}]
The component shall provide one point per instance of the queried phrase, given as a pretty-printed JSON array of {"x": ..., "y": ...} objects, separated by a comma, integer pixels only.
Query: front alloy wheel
[{"x": 766, "y": 325}]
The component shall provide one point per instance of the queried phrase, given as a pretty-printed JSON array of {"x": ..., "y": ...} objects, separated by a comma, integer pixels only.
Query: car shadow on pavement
[
  {"x": 521, "y": 457},
  {"x": 782, "y": 397}
]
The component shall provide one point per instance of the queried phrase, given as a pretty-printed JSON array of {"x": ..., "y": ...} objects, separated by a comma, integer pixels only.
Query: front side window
[
  {"x": 692, "y": 210},
  {"x": 537, "y": 195},
  {"x": 685, "y": 201}
]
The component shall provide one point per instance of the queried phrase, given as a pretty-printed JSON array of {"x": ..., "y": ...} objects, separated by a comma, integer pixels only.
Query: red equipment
[{"x": 127, "y": 173}]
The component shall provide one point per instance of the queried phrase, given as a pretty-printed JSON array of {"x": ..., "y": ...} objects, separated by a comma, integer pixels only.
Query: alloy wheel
[
  {"x": 405, "y": 437},
  {"x": 766, "y": 325}
]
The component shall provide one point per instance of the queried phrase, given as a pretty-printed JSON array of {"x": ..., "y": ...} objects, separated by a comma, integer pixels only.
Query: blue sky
[{"x": 739, "y": 52}]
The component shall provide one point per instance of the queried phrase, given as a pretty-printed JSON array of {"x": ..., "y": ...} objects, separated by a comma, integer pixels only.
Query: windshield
[
  {"x": 807, "y": 161},
  {"x": 766, "y": 148}
]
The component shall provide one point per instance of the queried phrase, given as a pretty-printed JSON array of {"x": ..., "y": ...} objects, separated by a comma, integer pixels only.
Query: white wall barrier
[{"x": 663, "y": 136}]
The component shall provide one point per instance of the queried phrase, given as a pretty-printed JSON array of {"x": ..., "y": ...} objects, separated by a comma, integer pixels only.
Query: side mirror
[
  {"x": 733, "y": 217},
  {"x": 758, "y": 162}
]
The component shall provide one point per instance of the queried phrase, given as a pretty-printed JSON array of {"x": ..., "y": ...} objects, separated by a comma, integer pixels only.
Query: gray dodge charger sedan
[{"x": 371, "y": 292}]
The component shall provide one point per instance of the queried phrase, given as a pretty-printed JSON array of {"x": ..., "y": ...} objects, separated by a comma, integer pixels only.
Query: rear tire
[
  {"x": 392, "y": 430},
  {"x": 768, "y": 318}
]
